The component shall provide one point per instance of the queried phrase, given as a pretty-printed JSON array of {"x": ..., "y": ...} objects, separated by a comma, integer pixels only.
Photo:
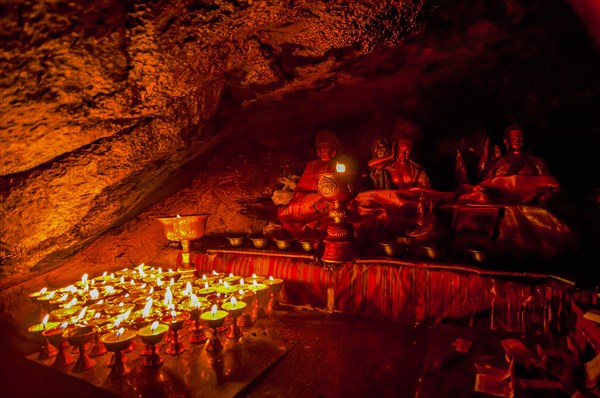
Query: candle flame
[
  {"x": 168, "y": 296},
  {"x": 81, "y": 314},
  {"x": 45, "y": 320},
  {"x": 154, "y": 326},
  {"x": 340, "y": 167},
  {"x": 147, "y": 308},
  {"x": 70, "y": 303},
  {"x": 44, "y": 290},
  {"x": 120, "y": 332},
  {"x": 233, "y": 302},
  {"x": 214, "y": 310}
]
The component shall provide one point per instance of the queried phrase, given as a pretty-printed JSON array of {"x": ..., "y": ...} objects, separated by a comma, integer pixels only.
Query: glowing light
[
  {"x": 188, "y": 288},
  {"x": 173, "y": 315},
  {"x": 271, "y": 278},
  {"x": 231, "y": 275},
  {"x": 81, "y": 314},
  {"x": 159, "y": 282},
  {"x": 147, "y": 308},
  {"x": 44, "y": 290},
  {"x": 84, "y": 279},
  {"x": 94, "y": 294},
  {"x": 253, "y": 276},
  {"x": 104, "y": 274},
  {"x": 154, "y": 326},
  {"x": 340, "y": 167},
  {"x": 126, "y": 315},
  {"x": 120, "y": 332},
  {"x": 97, "y": 315},
  {"x": 226, "y": 285},
  {"x": 178, "y": 216},
  {"x": 64, "y": 325},
  {"x": 233, "y": 302},
  {"x": 214, "y": 310},
  {"x": 121, "y": 305},
  {"x": 45, "y": 320},
  {"x": 122, "y": 280},
  {"x": 172, "y": 282},
  {"x": 206, "y": 285},
  {"x": 168, "y": 296},
  {"x": 241, "y": 281}
]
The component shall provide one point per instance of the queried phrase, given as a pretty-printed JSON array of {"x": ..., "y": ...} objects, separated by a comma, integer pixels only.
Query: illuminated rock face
[
  {"x": 107, "y": 110},
  {"x": 102, "y": 102}
]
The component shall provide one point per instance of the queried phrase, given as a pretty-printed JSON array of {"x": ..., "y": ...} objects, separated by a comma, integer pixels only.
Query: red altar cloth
[{"x": 404, "y": 291}]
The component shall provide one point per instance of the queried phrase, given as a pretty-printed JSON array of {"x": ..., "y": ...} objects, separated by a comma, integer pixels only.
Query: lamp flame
[
  {"x": 226, "y": 285},
  {"x": 168, "y": 296},
  {"x": 45, "y": 320},
  {"x": 81, "y": 314},
  {"x": 214, "y": 310},
  {"x": 96, "y": 315},
  {"x": 84, "y": 279},
  {"x": 178, "y": 216},
  {"x": 94, "y": 294},
  {"x": 64, "y": 325},
  {"x": 147, "y": 308},
  {"x": 233, "y": 302},
  {"x": 271, "y": 278},
  {"x": 120, "y": 332},
  {"x": 206, "y": 285},
  {"x": 241, "y": 281},
  {"x": 340, "y": 167},
  {"x": 154, "y": 326},
  {"x": 44, "y": 290}
]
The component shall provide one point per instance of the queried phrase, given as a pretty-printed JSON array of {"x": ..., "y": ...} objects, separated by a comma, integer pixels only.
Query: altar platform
[{"x": 408, "y": 289}]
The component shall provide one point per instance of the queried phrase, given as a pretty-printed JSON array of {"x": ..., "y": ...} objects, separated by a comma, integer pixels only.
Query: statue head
[
  {"x": 381, "y": 148},
  {"x": 327, "y": 144},
  {"x": 514, "y": 139},
  {"x": 404, "y": 149}
]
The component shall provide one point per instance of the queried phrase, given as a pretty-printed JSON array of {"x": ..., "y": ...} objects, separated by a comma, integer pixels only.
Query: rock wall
[{"x": 103, "y": 101}]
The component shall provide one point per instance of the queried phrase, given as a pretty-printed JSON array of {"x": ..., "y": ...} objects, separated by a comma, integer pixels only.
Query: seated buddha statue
[{"x": 307, "y": 214}]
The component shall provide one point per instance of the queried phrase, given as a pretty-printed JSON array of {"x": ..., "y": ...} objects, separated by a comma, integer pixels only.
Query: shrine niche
[{"x": 230, "y": 198}]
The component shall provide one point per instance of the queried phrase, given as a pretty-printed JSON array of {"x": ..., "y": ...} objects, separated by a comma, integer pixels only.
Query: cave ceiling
[{"x": 104, "y": 103}]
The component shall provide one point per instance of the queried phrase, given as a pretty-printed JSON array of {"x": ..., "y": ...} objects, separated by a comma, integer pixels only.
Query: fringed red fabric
[{"x": 407, "y": 293}]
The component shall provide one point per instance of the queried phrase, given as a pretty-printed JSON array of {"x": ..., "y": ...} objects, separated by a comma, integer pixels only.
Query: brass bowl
[
  {"x": 235, "y": 241},
  {"x": 184, "y": 227},
  {"x": 435, "y": 252},
  {"x": 478, "y": 256},
  {"x": 391, "y": 248},
  {"x": 283, "y": 244},
  {"x": 309, "y": 245},
  {"x": 260, "y": 242}
]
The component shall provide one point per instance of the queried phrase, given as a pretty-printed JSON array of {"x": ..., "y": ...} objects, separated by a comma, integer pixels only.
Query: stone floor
[{"x": 332, "y": 355}]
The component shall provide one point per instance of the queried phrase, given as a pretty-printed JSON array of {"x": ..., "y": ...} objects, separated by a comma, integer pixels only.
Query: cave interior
[{"x": 116, "y": 113}]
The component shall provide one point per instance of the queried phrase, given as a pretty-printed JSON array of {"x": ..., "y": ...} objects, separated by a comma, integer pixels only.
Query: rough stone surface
[
  {"x": 103, "y": 101},
  {"x": 222, "y": 98}
]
